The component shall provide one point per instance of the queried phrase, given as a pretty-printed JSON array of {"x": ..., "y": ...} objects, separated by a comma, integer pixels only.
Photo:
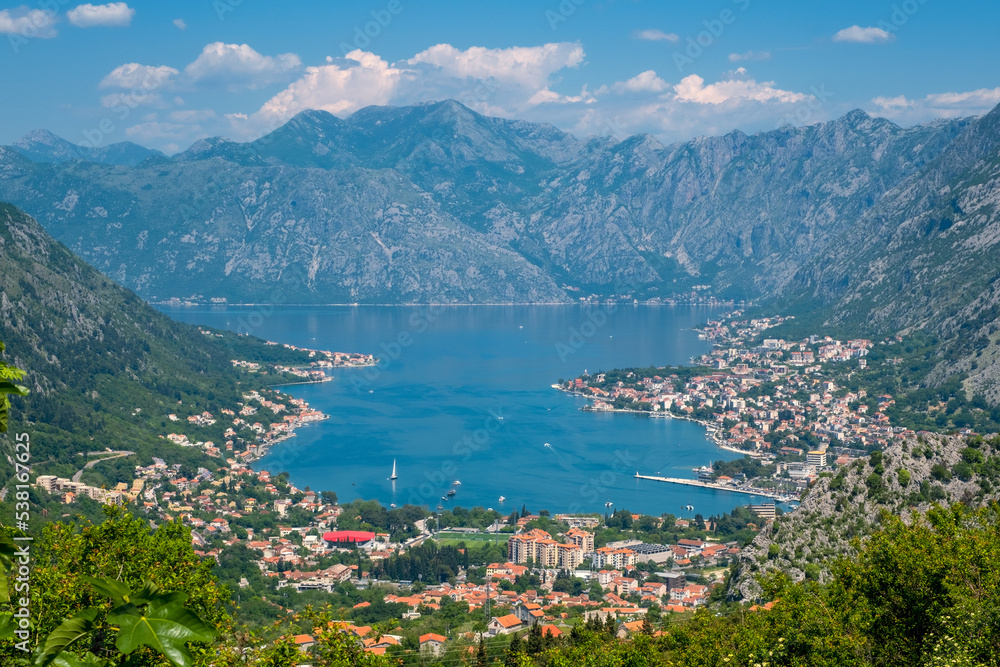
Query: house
[
  {"x": 529, "y": 614},
  {"x": 504, "y": 625},
  {"x": 304, "y": 642},
  {"x": 626, "y": 630},
  {"x": 432, "y": 644}
]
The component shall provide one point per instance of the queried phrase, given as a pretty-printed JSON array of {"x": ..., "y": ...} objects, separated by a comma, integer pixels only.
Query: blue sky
[{"x": 164, "y": 74}]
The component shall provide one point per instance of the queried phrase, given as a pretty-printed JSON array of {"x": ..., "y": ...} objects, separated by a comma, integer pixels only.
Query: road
[{"x": 91, "y": 464}]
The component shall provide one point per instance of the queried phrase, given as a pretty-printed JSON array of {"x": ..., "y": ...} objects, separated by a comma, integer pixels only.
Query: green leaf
[
  {"x": 115, "y": 590},
  {"x": 7, "y": 625},
  {"x": 11, "y": 388},
  {"x": 165, "y": 626},
  {"x": 68, "y": 632},
  {"x": 88, "y": 660},
  {"x": 150, "y": 592},
  {"x": 7, "y": 551}
]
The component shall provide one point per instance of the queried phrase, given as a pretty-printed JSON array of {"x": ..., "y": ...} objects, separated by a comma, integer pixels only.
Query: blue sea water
[{"x": 464, "y": 393}]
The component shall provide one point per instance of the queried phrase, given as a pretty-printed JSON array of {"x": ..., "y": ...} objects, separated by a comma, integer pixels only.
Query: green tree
[
  {"x": 122, "y": 549},
  {"x": 9, "y": 378}
]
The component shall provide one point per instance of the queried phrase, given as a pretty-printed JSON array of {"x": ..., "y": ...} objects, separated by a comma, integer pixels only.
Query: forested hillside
[{"x": 104, "y": 369}]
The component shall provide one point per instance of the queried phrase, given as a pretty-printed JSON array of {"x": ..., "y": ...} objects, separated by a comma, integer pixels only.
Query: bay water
[{"x": 463, "y": 394}]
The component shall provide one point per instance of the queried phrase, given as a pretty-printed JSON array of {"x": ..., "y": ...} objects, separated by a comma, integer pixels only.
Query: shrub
[{"x": 940, "y": 473}]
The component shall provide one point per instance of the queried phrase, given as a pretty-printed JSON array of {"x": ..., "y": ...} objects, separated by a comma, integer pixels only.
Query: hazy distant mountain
[
  {"x": 436, "y": 202},
  {"x": 43, "y": 146}
]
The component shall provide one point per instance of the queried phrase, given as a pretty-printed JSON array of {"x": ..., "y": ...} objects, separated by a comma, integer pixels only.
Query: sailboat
[{"x": 394, "y": 476}]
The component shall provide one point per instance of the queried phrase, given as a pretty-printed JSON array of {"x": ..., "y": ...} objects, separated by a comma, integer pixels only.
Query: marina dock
[{"x": 717, "y": 487}]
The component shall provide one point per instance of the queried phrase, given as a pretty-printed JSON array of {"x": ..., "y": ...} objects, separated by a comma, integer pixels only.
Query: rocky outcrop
[{"x": 846, "y": 506}]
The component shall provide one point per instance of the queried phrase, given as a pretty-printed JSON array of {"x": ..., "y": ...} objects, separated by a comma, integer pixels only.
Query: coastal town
[
  {"x": 544, "y": 571},
  {"x": 778, "y": 402},
  {"x": 782, "y": 402}
]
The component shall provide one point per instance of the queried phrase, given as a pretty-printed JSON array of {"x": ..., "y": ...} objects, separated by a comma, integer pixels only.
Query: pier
[{"x": 717, "y": 487}]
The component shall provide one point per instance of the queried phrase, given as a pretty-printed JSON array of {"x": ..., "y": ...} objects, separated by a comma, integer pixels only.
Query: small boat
[
  {"x": 502, "y": 498},
  {"x": 394, "y": 475},
  {"x": 450, "y": 493},
  {"x": 392, "y": 506},
  {"x": 457, "y": 483}
]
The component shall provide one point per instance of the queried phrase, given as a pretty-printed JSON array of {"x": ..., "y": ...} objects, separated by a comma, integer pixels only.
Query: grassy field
[{"x": 454, "y": 538}]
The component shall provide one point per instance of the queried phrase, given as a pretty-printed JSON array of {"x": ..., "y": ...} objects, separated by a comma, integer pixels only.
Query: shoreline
[
  {"x": 600, "y": 302},
  {"x": 328, "y": 378},
  {"x": 712, "y": 430}
]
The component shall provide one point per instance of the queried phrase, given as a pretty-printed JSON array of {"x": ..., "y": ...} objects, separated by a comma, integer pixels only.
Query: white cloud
[
  {"x": 653, "y": 35},
  {"x": 936, "y": 105},
  {"x": 749, "y": 55},
  {"x": 644, "y": 82},
  {"x": 892, "y": 103},
  {"x": 134, "y": 75},
  {"x": 499, "y": 82},
  {"x": 519, "y": 82},
  {"x": 181, "y": 25},
  {"x": 114, "y": 14},
  {"x": 27, "y": 22},
  {"x": 870, "y": 35},
  {"x": 692, "y": 88},
  {"x": 547, "y": 96},
  {"x": 494, "y": 81},
  {"x": 528, "y": 66},
  {"x": 240, "y": 66},
  {"x": 338, "y": 87}
]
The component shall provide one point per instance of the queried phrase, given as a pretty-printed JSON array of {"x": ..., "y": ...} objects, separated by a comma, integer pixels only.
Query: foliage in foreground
[{"x": 922, "y": 592}]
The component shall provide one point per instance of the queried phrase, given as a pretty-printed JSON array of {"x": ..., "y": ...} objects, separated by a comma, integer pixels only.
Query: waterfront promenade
[{"x": 717, "y": 487}]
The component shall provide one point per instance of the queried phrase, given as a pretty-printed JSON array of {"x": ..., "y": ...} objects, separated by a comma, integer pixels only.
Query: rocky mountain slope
[
  {"x": 43, "y": 146},
  {"x": 839, "y": 508},
  {"x": 437, "y": 203},
  {"x": 855, "y": 222},
  {"x": 925, "y": 257}
]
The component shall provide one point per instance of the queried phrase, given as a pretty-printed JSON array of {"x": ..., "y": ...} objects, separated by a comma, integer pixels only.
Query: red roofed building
[
  {"x": 347, "y": 537},
  {"x": 432, "y": 643},
  {"x": 504, "y": 625},
  {"x": 304, "y": 642}
]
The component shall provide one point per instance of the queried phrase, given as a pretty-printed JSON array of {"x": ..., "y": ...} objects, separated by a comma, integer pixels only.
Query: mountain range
[{"x": 856, "y": 222}]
